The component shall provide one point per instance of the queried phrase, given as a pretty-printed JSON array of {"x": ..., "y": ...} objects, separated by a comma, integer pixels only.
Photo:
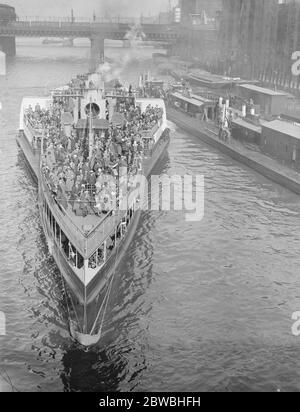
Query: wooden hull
[
  {"x": 209, "y": 83},
  {"x": 32, "y": 156}
]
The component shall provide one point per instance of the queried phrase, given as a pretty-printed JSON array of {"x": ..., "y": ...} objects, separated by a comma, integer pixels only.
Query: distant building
[
  {"x": 270, "y": 102},
  {"x": 281, "y": 140},
  {"x": 7, "y": 43},
  {"x": 2, "y": 64},
  {"x": 199, "y": 7},
  {"x": 257, "y": 39}
]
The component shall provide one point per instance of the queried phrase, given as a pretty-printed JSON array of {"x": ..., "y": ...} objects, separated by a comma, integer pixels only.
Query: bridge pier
[
  {"x": 8, "y": 45},
  {"x": 97, "y": 52},
  {"x": 126, "y": 44}
]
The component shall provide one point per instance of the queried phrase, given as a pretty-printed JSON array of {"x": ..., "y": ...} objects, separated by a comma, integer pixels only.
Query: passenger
[
  {"x": 83, "y": 203},
  {"x": 69, "y": 180}
]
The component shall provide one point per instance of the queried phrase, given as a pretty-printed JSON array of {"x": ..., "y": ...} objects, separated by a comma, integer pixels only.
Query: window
[
  {"x": 72, "y": 255},
  {"x": 97, "y": 259}
]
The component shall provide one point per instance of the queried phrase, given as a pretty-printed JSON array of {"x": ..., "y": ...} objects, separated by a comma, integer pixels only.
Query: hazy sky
[{"x": 85, "y": 8}]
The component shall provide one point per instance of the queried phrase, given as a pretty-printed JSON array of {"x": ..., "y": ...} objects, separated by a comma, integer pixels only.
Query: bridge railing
[
  {"x": 77, "y": 20},
  {"x": 64, "y": 26}
]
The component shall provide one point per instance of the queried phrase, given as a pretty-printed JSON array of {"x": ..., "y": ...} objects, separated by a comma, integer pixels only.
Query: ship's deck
[
  {"x": 88, "y": 176},
  {"x": 32, "y": 155},
  {"x": 266, "y": 165},
  {"x": 85, "y": 170},
  {"x": 85, "y": 223}
]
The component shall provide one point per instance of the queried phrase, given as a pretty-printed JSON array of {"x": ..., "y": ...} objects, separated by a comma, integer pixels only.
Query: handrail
[
  {"x": 33, "y": 130},
  {"x": 54, "y": 203},
  {"x": 85, "y": 243}
]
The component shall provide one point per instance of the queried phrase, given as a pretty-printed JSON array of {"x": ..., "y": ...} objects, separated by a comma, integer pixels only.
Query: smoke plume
[{"x": 86, "y": 8}]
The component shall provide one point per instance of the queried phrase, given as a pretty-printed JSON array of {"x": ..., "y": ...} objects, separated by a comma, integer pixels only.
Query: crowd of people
[
  {"x": 37, "y": 118},
  {"x": 85, "y": 178}
]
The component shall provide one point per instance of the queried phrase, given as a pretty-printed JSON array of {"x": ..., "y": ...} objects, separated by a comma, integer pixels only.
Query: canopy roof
[
  {"x": 67, "y": 118},
  {"x": 187, "y": 99},
  {"x": 99, "y": 124},
  {"x": 261, "y": 90}
]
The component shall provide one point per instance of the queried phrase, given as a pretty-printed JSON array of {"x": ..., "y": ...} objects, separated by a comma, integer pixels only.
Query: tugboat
[{"x": 86, "y": 148}]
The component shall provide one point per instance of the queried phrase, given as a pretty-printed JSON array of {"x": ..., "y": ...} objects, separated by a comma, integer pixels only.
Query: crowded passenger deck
[
  {"x": 85, "y": 148},
  {"x": 84, "y": 159}
]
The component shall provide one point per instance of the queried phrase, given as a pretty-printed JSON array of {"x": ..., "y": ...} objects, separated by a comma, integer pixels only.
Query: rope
[{"x": 66, "y": 294}]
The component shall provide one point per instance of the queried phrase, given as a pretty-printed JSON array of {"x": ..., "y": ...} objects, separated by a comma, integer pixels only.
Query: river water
[{"x": 195, "y": 306}]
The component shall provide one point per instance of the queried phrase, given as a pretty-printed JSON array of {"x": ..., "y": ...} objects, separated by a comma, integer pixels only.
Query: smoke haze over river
[{"x": 85, "y": 9}]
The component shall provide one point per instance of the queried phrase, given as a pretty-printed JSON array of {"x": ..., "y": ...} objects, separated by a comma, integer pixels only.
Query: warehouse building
[
  {"x": 268, "y": 102},
  {"x": 258, "y": 38}
]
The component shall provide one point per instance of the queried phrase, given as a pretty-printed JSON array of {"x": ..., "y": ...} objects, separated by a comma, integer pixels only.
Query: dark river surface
[{"x": 195, "y": 306}]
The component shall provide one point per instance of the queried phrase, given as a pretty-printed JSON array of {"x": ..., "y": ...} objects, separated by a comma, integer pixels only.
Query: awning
[
  {"x": 98, "y": 124},
  {"x": 148, "y": 134},
  {"x": 77, "y": 83},
  {"x": 118, "y": 120},
  {"x": 246, "y": 125},
  {"x": 67, "y": 118},
  {"x": 202, "y": 99},
  {"x": 71, "y": 104}
]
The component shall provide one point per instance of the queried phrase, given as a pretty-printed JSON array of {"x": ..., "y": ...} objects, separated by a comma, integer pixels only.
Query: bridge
[{"x": 96, "y": 31}]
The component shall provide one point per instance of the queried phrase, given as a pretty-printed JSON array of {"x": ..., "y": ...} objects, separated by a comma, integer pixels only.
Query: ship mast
[{"x": 91, "y": 134}]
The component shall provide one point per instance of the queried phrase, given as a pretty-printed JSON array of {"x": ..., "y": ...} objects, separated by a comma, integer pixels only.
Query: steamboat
[{"x": 87, "y": 147}]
